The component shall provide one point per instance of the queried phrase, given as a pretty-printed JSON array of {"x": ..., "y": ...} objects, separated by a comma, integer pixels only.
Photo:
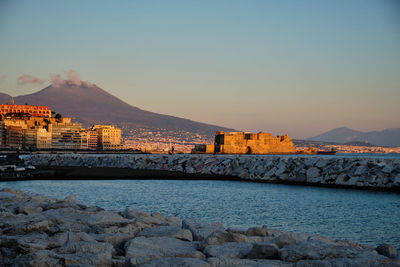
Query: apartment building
[
  {"x": 37, "y": 138},
  {"x": 32, "y": 127},
  {"x": 67, "y": 135},
  {"x": 92, "y": 137},
  {"x": 36, "y": 111},
  {"x": 108, "y": 137}
]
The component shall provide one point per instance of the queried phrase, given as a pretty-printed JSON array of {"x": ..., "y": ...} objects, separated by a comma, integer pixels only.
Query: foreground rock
[
  {"x": 37, "y": 231},
  {"x": 366, "y": 173}
]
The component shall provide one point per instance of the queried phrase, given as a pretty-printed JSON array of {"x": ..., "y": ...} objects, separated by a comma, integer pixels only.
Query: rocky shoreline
[
  {"x": 360, "y": 173},
  {"x": 38, "y": 231}
]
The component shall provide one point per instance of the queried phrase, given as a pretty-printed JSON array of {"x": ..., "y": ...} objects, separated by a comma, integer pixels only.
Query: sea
[{"x": 367, "y": 217}]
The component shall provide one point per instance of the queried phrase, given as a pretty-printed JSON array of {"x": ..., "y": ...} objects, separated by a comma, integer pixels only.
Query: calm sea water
[{"x": 362, "y": 216}]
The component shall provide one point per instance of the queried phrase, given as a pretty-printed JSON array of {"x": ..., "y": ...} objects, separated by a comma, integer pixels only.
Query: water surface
[{"x": 363, "y": 216}]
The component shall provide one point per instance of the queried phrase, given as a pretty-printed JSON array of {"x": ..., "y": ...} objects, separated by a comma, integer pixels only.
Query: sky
[{"x": 296, "y": 67}]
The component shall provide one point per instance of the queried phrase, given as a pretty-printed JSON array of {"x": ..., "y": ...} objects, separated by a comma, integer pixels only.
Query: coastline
[
  {"x": 37, "y": 231},
  {"x": 113, "y": 173},
  {"x": 357, "y": 173}
]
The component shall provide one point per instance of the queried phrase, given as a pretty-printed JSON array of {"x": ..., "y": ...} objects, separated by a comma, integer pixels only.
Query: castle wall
[{"x": 250, "y": 143}]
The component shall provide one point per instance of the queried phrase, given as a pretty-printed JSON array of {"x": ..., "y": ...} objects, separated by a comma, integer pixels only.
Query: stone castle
[{"x": 248, "y": 143}]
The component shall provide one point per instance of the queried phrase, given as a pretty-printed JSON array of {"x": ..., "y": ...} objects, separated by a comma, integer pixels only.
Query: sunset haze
[{"x": 300, "y": 68}]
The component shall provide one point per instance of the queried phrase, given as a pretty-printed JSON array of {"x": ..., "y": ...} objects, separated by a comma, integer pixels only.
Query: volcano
[{"x": 89, "y": 104}]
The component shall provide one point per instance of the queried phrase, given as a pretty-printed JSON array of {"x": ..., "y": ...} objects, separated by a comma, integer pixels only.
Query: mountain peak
[
  {"x": 343, "y": 128},
  {"x": 89, "y": 104},
  {"x": 387, "y": 137},
  {"x": 5, "y": 98}
]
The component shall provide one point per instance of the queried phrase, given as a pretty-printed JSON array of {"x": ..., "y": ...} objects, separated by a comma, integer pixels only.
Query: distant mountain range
[
  {"x": 89, "y": 104},
  {"x": 388, "y": 137},
  {"x": 4, "y": 98}
]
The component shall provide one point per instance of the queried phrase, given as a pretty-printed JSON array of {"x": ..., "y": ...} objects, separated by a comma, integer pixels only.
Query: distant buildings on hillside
[{"x": 33, "y": 127}]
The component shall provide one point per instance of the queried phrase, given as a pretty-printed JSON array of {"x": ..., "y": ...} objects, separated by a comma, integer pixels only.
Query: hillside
[
  {"x": 5, "y": 99},
  {"x": 387, "y": 137},
  {"x": 89, "y": 104}
]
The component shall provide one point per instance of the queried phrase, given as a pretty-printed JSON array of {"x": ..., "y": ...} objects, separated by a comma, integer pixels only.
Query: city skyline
[{"x": 296, "y": 68}]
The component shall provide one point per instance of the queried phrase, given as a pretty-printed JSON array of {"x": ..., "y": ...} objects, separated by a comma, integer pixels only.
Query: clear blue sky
[{"x": 296, "y": 67}]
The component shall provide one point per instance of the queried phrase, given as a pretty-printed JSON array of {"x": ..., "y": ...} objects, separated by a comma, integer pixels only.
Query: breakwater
[
  {"x": 363, "y": 173},
  {"x": 38, "y": 231}
]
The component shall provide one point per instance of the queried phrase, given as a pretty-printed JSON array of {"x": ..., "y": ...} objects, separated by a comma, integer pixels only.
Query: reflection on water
[{"x": 363, "y": 216}]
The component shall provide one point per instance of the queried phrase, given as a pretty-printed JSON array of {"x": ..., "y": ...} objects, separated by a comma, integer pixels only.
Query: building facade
[
  {"x": 108, "y": 137},
  {"x": 36, "y": 111},
  {"x": 92, "y": 139},
  {"x": 251, "y": 143},
  {"x": 67, "y": 135},
  {"x": 32, "y": 127},
  {"x": 12, "y": 137},
  {"x": 37, "y": 138}
]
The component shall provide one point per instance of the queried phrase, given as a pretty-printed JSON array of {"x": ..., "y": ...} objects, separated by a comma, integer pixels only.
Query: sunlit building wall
[
  {"x": 12, "y": 137},
  {"x": 37, "y": 138},
  {"x": 37, "y": 111},
  {"x": 108, "y": 137},
  {"x": 92, "y": 139},
  {"x": 67, "y": 135},
  {"x": 84, "y": 139}
]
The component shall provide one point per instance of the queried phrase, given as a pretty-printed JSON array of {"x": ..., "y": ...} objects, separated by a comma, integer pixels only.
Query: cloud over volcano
[
  {"x": 29, "y": 79},
  {"x": 72, "y": 79}
]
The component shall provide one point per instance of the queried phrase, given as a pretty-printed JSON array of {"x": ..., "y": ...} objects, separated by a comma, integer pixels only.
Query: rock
[
  {"x": 141, "y": 250},
  {"x": 288, "y": 238},
  {"x": 172, "y": 262},
  {"x": 364, "y": 259},
  {"x": 65, "y": 233},
  {"x": 257, "y": 231},
  {"x": 322, "y": 163},
  {"x": 396, "y": 181},
  {"x": 8, "y": 253},
  {"x": 116, "y": 239},
  {"x": 40, "y": 258},
  {"x": 234, "y": 262},
  {"x": 236, "y": 230},
  {"x": 219, "y": 238},
  {"x": 145, "y": 218},
  {"x": 118, "y": 261},
  {"x": 270, "y": 172},
  {"x": 61, "y": 239},
  {"x": 15, "y": 192},
  {"x": 71, "y": 199},
  {"x": 361, "y": 170},
  {"x": 171, "y": 231},
  {"x": 352, "y": 181},
  {"x": 25, "y": 243},
  {"x": 28, "y": 225},
  {"x": 281, "y": 168},
  {"x": 174, "y": 221},
  {"x": 61, "y": 205},
  {"x": 300, "y": 178},
  {"x": 92, "y": 253},
  {"x": 317, "y": 250},
  {"x": 312, "y": 173},
  {"x": 229, "y": 250},
  {"x": 118, "y": 228},
  {"x": 199, "y": 230},
  {"x": 264, "y": 251},
  {"x": 104, "y": 217},
  {"x": 29, "y": 209},
  {"x": 387, "y": 250},
  {"x": 310, "y": 162},
  {"x": 388, "y": 168},
  {"x": 7, "y": 196}
]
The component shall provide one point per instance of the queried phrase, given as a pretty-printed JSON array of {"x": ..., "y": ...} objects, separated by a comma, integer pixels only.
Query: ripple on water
[{"x": 363, "y": 216}]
